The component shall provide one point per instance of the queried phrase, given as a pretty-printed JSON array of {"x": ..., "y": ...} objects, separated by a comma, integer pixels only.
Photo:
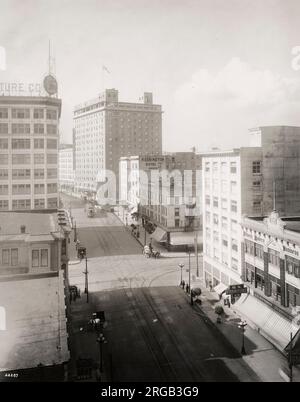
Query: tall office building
[
  {"x": 247, "y": 181},
  {"x": 29, "y": 149},
  {"x": 106, "y": 129}
]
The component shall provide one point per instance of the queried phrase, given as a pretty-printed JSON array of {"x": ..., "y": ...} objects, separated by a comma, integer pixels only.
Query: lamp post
[
  {"x": 181, "y": 266},
  {"x": 242, "y": 325},
  {"x": 86, "y": 288}
]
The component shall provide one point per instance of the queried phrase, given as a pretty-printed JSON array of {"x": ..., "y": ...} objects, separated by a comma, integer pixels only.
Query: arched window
[{"x": 2, "y": 319}]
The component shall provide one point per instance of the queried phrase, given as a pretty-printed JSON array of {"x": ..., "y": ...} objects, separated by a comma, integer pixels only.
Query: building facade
[
  {"x": 231, "y": 187},
  {"x": 29, "y": 137},
  {"x": 271, "y": 258},
  {"x": 106, "y": 129},
  {"x": 247, "y": 181},
  {"x": 167, "y": 190},
  {"x": 66, "y": 168}
]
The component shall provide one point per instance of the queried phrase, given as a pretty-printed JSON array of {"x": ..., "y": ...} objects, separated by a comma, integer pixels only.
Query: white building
[
  {"x": 106, "y": 129},
  {"x": 66, "y": 168},
  {"x": 29, "y": 139},
  {"x": 230, "y": 188}
]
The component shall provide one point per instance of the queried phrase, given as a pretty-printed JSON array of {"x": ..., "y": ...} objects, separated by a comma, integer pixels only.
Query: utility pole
[
  {"x": 86, "y": 289},
  {"x": 291, "y": 358}
]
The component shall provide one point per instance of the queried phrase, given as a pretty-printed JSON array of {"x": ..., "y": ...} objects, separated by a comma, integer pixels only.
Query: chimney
[{"x": 23, "y": 228}]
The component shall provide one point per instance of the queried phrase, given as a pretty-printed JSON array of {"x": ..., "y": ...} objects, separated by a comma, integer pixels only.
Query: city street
[{"x": 152, "y": 332}]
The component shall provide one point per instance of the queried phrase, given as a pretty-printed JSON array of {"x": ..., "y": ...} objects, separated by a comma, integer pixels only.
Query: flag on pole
[{"x": 104, "y": 68}]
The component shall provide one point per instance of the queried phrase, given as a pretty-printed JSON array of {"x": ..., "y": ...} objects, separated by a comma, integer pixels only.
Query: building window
[
  {"x": 39, "y": 173},
  {"x": 52, "y": 202},
  {"x": 35, "y": 258},
  {"x": 38, "y": 113},
  {"x": 224, "y": 241},
  {"x": 51, "y": 188},
  {"x": 20, "y": 143},
  {"x": 39, "y": 203},
  {"x": 18, "y": 174},
  {"x": 216, "y": 237},
  {"x": 3, "y": 143},
  {"x": 234, "y": 264},
  {"x": 51, "y": 144},
  {"x": 21, "y": 159},
  {"x": 215, "y": 166},
  {"x": 51, "y": 173},
  {"x": 233, "y": 187},
  {"x": 44, "y": 258},
  {"x": 38, "y": 159},
  {"x": 20, "y": 113},
  {"x": 207, "y": 200},
  {"x": 224, "y": 204},
  {"x": 232, "y": 167},
  {"x": 216, "y": 219},
  {"x": 224, "y": 186},
  {"x": 234, "y": 245},
  {"x": 256, "y": 167},
  {"x": 3, "y": 113},
  {"x": 21, "y": 189},
  {"x": 3, "y": 174},
  {"x": 224, "y": 223},
  {"x": 257, "y": 205},
  {"x": 51, "y": 114},
  {"x": 5, "y": 256},
  {"x": 207, "y": 166},
  {"x": 3, "y": 189},
  {"x": 274, "y": 258},
  {"x": 215, "y": 202},
  {"x": 21, "y": 204},
  {"x": 4, "y": 205},
  {"x": 38, "y": 128},
  {"x": 51, "y": 129},
  {"x": 207, "y": 217},
  {"x": 233, "y": 206},
  {"x": 14, "y": 257},
  {"x": 224, "y": 167},
  {"x": 39, "y": 189},
  {"x": 3, "y": 128},
  {"x": 51, "y": 159},
  {"x": 20, "y": 128},
  {"x": 38, "y": 143},
  {"x": 3, "y": 159}
]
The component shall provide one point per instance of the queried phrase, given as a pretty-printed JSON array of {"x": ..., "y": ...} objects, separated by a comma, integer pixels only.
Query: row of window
[
  {"x": 24, "y": 113},
  {"x": 26, "y": 204},
  {"x": 25, "y": 159},
  {"x": 24, "y": 128},
  {"x": 25, "y": 174},
  {"x": 224, "y": 166},
  {"x": 233, "y": 203},
  {"x": 25, "y": 143},
  {"x": 10, "y": 257},
  {"x": 26, "y": 188}
]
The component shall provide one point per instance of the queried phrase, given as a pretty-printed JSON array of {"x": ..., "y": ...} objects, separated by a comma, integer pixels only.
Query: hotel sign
[
  {"x": 20, "y": 89},
  {"x": 290, "y": 250}
]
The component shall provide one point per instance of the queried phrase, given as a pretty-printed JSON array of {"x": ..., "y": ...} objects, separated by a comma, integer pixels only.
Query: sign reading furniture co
[
  {"x": 19, "y": 88},
  {"x": 236, "y": 289}
]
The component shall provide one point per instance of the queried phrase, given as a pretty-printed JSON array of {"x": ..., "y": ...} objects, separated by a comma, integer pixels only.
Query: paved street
[{"x": 152, "y": 332}]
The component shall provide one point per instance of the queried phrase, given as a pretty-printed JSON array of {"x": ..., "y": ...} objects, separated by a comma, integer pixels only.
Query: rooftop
[
  {"x": 35, "y": 223},
  {"x": 34, "y": 329}
]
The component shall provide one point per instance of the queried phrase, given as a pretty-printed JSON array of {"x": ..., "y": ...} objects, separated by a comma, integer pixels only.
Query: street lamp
[
  {"x": 242, "y": 325},
  {"x": 181, "y": 266}
]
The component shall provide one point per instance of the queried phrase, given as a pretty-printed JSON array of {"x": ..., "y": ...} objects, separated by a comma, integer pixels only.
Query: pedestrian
[
  {"x": 210, "y": 285},
  {"x": 183, "y": 283}
]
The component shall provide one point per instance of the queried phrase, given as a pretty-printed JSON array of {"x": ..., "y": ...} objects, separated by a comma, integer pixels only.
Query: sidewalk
[
  {"x": 264, "y": 359},
  {"x": 145, "y": 237}
]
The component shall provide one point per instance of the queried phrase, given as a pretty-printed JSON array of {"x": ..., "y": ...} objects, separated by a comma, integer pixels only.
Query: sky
[{"x": 217, "y": 67}]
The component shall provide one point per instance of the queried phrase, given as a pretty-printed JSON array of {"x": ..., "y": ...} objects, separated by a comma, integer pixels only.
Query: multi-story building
[
  {"x": 165, "y": 187},
  {"x": 66, "y": 168},
  {"x": 106, "y": 129},
  {"x": 271, "y": 271},
  {"x": 29, "y": 152},
  {"x": 33, "y": 290},
  {"x": 246, "y": 181}
]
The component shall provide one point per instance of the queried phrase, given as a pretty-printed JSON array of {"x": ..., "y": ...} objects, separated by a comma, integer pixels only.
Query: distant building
[
  {"x": 271, "y": 271},
  {"x": 66, "y": 168},
  {"x": 33, "y": 276},
  {"x": 163, "y": 188},
  {"x": 29, "y": 132},
  {"x": 106, "y": 129}
]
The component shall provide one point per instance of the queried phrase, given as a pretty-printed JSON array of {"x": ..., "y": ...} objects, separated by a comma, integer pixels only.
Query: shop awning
[
  {"x": 271, "y": 324},
  {"x": 159, "y": 235},
  {"x": 184, "y": 238},
  {"x": 220, "y": 288}
]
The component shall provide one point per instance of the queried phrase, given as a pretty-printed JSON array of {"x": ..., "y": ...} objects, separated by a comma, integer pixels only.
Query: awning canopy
[
  {"x": 184, "y": 238},
  {"x": 159, "y": 235},
  {"x": 220, "y": 288},
  {"x": 272, "y": 325}
]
